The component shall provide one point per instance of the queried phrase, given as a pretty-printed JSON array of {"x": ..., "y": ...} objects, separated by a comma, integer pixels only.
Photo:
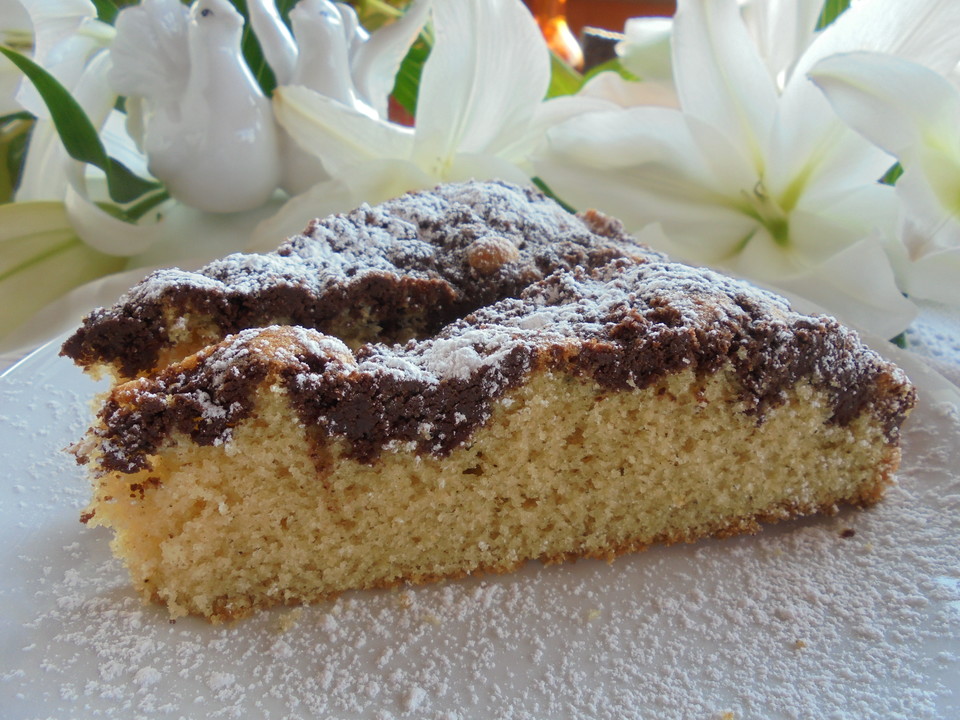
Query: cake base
[{"x": 274, "y": 516}]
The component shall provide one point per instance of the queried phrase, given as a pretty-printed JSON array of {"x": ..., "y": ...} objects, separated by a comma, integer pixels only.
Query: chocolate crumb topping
[
  {"x": 626, "y": 325},
  {"x": 402, "y": 269}
]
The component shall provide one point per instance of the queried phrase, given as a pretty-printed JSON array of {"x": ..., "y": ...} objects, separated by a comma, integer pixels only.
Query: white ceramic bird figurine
[
  {"x": 323, "y": 62},
  {"x": 207, "y": 129},
  {"x": 275, "y": 38}
]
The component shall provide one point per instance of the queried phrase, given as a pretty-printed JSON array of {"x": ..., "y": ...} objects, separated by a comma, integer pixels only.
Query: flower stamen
[{"x": 768, "y": 212}]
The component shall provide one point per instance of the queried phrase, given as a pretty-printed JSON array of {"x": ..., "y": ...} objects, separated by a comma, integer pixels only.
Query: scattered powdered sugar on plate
[{"x": 852, "y": 616}]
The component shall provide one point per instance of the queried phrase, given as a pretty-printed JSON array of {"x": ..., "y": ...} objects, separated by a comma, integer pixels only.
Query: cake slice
[{"x": 601, "y": 411}]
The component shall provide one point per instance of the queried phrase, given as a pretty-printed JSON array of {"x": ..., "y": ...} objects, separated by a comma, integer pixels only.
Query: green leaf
[
  {"x": 134, "y": 213},
  {"x": 407, "y": 83},
  {"x": 106, "y": 10},
  {"x": 892, "y": 175},
  {"x": 22, "y": 115},
  {"x": 14, "y": 131},
  {"x": 832, "y": 9},
  {"x": 125, "y": 185},
  {"x": 78, "y": 134},
  {"x": 564, "y": 80},
  {"x": 545, "y": 189}
]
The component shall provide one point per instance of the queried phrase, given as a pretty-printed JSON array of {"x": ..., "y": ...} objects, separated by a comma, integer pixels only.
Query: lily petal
[
  {"x": 645, "y": 142},
  {"x": 916, "y": 30},
  {"x": 914, "y": 114},
  {"x": 376, "y": 61},
  {"x": 719, "y": 75},
  {"x": 819, "y": 230},
  {"x": 647, "y": 165},
  {"x": 470, "y": 166},
  {"x": 828, "y": 220},
  {"x": 931, "y": 221},
  {"x": 101, "y": 230},
  {"x": 339, "y": 135},
  {"x": 811, "y": 147},
  {"x": 42, "y": 258},
  {"x": 549, "y": 114},
  {"x": 612, "y": 87},
  {"x": 895, "y": 103},
  {"x": 781, "y": 31},
  {"x": 934, "y": 277},
  {"x": 465, "y": 102},
  {"x": 66, "y": 35},
  {"x": 857, "y": 285},
  {"x": 645, "y": 49},
  {"x": 16, "y": 32}
]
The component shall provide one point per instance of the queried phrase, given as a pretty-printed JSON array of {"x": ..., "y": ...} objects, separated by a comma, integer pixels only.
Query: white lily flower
[
  {"x": 16, "y": 31},
  {"x": 70, "y": 43},
  {"x": 763, "y": 182},
  {"x": 913, "y": 113},
  {"x": 208, "y": 130},
  {"x": 41, "y": 257},
  {"x": 471, "y": 122},
  {"x": 781, "y": 30}
]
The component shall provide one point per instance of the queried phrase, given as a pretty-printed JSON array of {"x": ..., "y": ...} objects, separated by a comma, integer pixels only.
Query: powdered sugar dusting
[
  {"x": 852, "y": 616},
  {"x": 421, "y": 235},
  {"x": 424, "y": 258}
]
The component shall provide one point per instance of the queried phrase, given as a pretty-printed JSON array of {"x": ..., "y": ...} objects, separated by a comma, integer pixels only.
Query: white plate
[{"x": 798, "y": 621}]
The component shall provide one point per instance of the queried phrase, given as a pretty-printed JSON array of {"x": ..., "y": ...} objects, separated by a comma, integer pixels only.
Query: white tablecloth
[{"x": 935, "y": 336}]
